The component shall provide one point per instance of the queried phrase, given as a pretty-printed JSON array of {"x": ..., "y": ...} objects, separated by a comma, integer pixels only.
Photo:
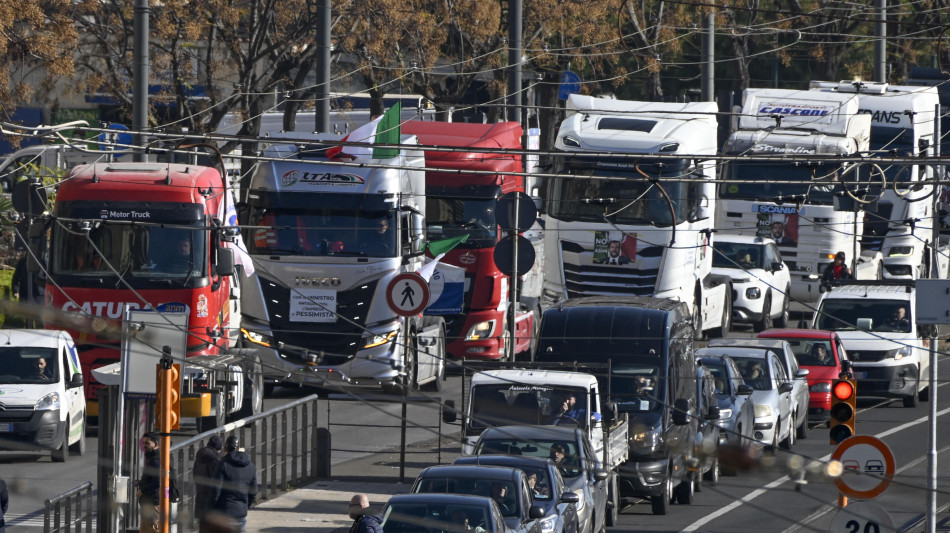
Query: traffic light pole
[{"x": 166, "y": 398}]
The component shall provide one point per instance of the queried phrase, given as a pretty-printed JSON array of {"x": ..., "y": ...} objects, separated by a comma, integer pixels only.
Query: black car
[
  {"x": 549, "y": 490},
  {"x": 506, "y": 485},
  {"x": 442, "y": 513}
]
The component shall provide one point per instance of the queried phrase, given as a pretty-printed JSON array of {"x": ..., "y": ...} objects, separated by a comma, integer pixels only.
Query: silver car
[
  {"x": 736, "y": 408},
  {"x": 797, "y": 375},
  {"x": 772, "y": 395}
]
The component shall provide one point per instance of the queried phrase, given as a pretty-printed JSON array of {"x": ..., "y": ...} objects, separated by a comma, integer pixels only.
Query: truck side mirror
[
  {"x": 224, "y": 266},
  {"x": 702, "y": 208},
  {"x": 417, "y": 233},
  {"x": 611, "y": 413},
  {"x": 681, "y": 412},
  {"x": 712, "y": 413},
  {"x": 449, "y": 414},
  {"x": 75, "y": 381}
]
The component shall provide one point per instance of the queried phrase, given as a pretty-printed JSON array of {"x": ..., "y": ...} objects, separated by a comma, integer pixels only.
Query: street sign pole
[{"x": 513, "y": 286}]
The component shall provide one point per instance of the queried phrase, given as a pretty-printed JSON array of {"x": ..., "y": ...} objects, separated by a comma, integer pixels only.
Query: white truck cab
[
  {"x": 41, "y": 393},
  {"x": 888, "y": 350}
]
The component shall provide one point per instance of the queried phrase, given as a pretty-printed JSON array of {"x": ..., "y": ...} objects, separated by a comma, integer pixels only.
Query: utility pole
[
  {"x": 709, "y": 56},
  {"x": 140, "y": 77},
  {"x": 880, "y": 41},
  {"x": 322, "y": 98},
  {"x": 514, "y": 60}
]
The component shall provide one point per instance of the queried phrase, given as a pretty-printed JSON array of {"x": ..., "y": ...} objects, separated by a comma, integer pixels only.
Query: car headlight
[
  {"x": 257, "y": 338},
  {"x": 823, "y": 386},
  {"x": 898, "y": 353},
  {"x": 379, "y": 339},
  {"x": 753, "y": 293},
  {"x": 480, "y": 331},
  {"x": 548, "y": 523},
  {"x": 48, "y": 402},
  {"x": 725, "y": 414},
  {"x": 762, "y": 409}
]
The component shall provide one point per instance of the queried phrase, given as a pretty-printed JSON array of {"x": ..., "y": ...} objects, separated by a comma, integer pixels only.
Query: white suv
[{"x": 760, "y": 279}]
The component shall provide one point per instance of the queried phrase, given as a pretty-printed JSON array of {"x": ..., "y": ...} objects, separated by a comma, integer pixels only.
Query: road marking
[{"x": 784, "y": 479}]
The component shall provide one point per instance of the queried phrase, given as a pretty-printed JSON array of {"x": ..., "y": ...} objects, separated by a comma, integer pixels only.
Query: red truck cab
[
  {"x": 142, "y": 235},
  {"x": 462, "y": 189},
  {"x": 821, "y": 352}
]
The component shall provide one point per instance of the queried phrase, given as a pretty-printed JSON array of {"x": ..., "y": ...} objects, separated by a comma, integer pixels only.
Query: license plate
[
  {"x": 860, "y": 375},
  {"x": 6, "y": 428}
]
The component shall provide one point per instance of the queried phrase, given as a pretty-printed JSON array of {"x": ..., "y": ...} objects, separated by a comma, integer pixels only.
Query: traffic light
[
  {"x": 168, "y": 383},
  {"x": 843, "y": 395}
]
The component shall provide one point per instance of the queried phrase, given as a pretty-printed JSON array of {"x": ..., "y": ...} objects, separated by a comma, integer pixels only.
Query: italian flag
[{"x": 383, "y": 129}]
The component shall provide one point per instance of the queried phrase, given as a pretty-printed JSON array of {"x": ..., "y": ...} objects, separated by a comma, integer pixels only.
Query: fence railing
[
  {"x": 282, "y": 444},
  {"x": 70, "y": 510}
]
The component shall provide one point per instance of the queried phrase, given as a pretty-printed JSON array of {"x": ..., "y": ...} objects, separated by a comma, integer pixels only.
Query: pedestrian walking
[
  {"x": 4, "y": 500},
  {"x": 363, "y": 521},
  {"x": 235, "y": 488},
  {"x": 206, "y": 463},
  {"x": 147, "y": 492}
]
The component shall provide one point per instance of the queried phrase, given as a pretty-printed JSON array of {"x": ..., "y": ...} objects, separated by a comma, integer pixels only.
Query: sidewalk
[{"x": 321, "y": 507}]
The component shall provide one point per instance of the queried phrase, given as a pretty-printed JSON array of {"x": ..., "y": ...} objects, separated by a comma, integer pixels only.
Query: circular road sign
[
  {"x": 516, "y": 205},
  {"x": 505, "y": 259},
  {"x": 862, "y": 517},
  {"x": 407, "y": 294},
  {"x": 868, "y": 467}
]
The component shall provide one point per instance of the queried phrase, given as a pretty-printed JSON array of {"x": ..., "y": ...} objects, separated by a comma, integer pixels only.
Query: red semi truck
[
  {"x": 151, "y": 235},
  {"x": 460, "y": 202}
]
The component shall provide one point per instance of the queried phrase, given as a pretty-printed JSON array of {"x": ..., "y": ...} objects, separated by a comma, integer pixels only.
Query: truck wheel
[
  {"x": 436, "y": 384},
  {"x": 766, "y": 321},
  {"x": 253, "y": 402},
  {"x": 697, "y": 319},
  {"x": 712, "y": 476},
  {"x": 59, "y": 455},
  {"x": 782, "y": 320},
  {"x": 79, "y": 448},
  {"x": 613, "y": 500},
  {"x": 661, "y": 502},
  {"x": 408, "y": 380},
  {"x": 684, "y": 492},
  {"x": 726, "y": 326},
  {"x": 209, "y": 423}
]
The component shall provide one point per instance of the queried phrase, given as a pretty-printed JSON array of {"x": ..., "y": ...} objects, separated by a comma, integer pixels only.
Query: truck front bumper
[
  {"x": 643, "y": 479},
  {"x": 35, "y": 430},
  {"x": 895, "y": 381}
]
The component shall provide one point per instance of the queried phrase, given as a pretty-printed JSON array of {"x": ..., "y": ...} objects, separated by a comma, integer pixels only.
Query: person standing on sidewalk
[
  {"x": 4, "y": 500},
  {"x": 147, "y": 492},
  {"x": 363, "y": 522},
  {"x": 235, "y": 484},
  {"x": 206, "y": 463}
]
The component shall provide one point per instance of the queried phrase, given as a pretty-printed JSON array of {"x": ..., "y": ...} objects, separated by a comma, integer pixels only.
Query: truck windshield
[
  {"x": 865, "y": 315},
  {"x": 780, "y": 181},
  {"x": 454, "y": 216},
  {"x": 166, "y": 253},
  {"x": 322, "y": 231},
  {"x": 27, "y": 364},
  {"x": 636, "y": 387},
  {"x": 578, "y": 197},
  {"x": 894, "y": 141},
  {"x": 508, "y": 404}
]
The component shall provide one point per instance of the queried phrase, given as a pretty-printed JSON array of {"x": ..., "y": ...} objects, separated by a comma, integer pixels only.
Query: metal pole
[
  {"x": 932, "y": 384},
  {"x": 322, "y": 98},
  {"x": 880, "y": 41},
  {"x": 402, "y": 444},
  {"x": 514, "y": 59},
  {"x": 140, "y": 76},
  {"x": 709, "y": 65}
]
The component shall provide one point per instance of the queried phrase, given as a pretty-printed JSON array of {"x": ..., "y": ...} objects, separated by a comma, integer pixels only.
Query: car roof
[
  {"x": 771, "y": 344},
  {"x": 534, "y": 377},
  {"x": 531, "y": 432},
  {"x": 798, "y": 333},
  {"x": 742, "y": 239},
  {"x": 735, "y": 351},
  {"x": 505, "y": 473},
  {"x": 439, "y": 497},
  {"x": 35, "y": 338},
  {"x": 514, "y": 461}
]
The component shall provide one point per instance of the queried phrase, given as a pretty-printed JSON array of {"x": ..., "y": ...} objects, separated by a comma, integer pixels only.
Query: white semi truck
[
  {"x": 791, "y": 198},
  {"x": 327, "y": 239},
  {"x": 902, "y": 125},
  {"x": 622, "y": 219}
]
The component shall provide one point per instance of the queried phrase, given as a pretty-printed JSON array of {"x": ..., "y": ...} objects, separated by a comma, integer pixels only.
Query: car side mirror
[
  {"x": 777, "y": 266},
  {"x": 75, "y": 381},
  {"x": 600, "y": 474},
  {"x": 570, "y": 497},
  {"x": 802, "y": 372},
  {"x": 681, "y": 412},
  {"x": 536, "y": 512},
  {"x": 785, "y": 387},
  {"x": 449, "y": 414},
  {"x": 744, "y": 390},
  {"x": 712, "y": 413}
]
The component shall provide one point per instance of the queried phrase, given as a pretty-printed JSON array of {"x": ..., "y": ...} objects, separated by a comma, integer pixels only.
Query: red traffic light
[{"x": 843, "y": 390}]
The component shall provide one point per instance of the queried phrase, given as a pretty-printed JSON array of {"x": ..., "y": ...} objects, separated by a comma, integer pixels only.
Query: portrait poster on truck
[{"x": 614, "y": 248}]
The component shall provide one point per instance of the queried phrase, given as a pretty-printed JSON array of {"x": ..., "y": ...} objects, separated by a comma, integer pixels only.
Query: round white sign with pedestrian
[{"x": 407, "y": 294}]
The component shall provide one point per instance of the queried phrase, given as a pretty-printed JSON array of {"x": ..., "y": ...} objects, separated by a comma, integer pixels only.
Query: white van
[{"x": 41, "y": 393}]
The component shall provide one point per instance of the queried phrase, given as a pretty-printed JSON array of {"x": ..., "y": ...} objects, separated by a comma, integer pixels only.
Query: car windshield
[
  {"x": 25, "y": 365},
  {"x": 563, "y": 453},
  {"x": 503, "y": 492},
  {"x": 864, "y": 315},
  {"x": 737, "y": 255},
  {"x": 720, "y": 377},
  {"x": 812, "y": 352},
  {"x": 452, "y": 518},
  {"x": 755, "y": 372}
]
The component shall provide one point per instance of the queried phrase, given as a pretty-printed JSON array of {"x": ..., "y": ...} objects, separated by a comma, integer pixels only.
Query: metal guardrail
[
  {"x": 282, "y": 444},
  {"x": 68, "y": 511}
]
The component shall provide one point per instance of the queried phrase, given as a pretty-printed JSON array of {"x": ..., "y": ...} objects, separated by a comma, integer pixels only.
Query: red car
[{"x": 821, "y": 352}]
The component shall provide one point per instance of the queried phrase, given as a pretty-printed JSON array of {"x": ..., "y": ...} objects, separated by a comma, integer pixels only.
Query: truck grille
[
  {"x": 339, "y": 341},
  {"x": 867, "y": 356},
  {"x": 584, "y": 279}
]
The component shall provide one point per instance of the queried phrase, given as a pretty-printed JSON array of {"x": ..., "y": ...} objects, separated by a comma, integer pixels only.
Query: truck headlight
[
  {"x": 647, "y": 439},
  {"x": 548, "y": 523},
  {"x": 257, "y": 338},
  {"x": 379, "y": 339},
  {"x": 753, "y": 293},
  {"x": 48, "y": 402},
  {"x": 824, "y": 386},
  {"x": 898, "y": 353},
  {"x": 762, "y": 410},
  {"x": 480, "y": 331},
  {"x": 900, "y": 251}
]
